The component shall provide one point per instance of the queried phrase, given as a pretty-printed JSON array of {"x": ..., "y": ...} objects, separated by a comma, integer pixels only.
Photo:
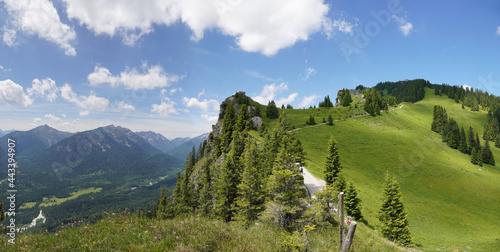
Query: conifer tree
[
  {"x": 453, "y": 134},
  {"x": 241, "y": 119},
  {"x": 392, "y": 213},
  {"x": 353, "y": 203},
  {"x": 332, "y": 164},
  {"x": 339, "y": 184},
  {"x": 227, "y": 186},
  {"x": 327, "y": 103},
  {"x": 164, "y": 208},
  {"x": 497, "y": 141},
  {"x": 487, "y": 155},
  {"x": 473, "y": 156},
  {"x": 284, "y": 188},
  {"x": 180, "y": 206},
  {"x": 287, "y": 197},
  {"x": 462, "y": 147},
  {"x": 346, "y": 98},
  {"x": 250, "y": 201},
  {"x": 272, "y": 111},
  {"x": 228, "y": 123},
  {"x": 471, "y": 142},
  {"x": 184, "y": 197},
  {"x": 330, "y": 120},
  {"x": 205, "y": 200},
  {"x": 299, "y": 153}
]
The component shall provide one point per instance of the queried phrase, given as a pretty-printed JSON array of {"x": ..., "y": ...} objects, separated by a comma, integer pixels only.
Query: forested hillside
[{"x": 245, "y": 183}]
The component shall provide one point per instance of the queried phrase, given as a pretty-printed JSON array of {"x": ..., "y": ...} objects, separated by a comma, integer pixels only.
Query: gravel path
[{"x": 312, "y": 183}]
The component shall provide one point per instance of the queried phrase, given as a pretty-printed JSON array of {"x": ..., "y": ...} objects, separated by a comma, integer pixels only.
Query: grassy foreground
[
  {"x": 127, "y": 232},
  {"x": 452, "y": 204}
]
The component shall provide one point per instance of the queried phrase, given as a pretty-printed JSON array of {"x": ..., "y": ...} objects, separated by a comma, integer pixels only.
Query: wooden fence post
[
  {"x": 341, "y": 217},
  {"x": 350, "y": 236}
]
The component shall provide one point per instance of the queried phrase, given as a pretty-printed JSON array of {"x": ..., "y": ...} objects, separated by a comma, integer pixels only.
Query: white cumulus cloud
[
  {"x": 45, "y": 88},
  {"x": 37, "y": 17},
  {"x": 13, "y": 94},
  {"x": 84, "y": 113},
  {"x": 308, "y": 101},
  {"x": 330, "y": 27},
  {"x": 53, "y": 117},
  {"x": 124, "y": 106},
  {"x": 280, "y": 23},
  {"x": 204, "y": 105},
  {"x": 210, "y": 119},
  {"x": 286, "y": 100},
  {"x": 404, "y": 26},
  {"x": 165, "y": 108},
  {"x": 150, "y": 78},
  {"x": 269, "y": 92},
  {"x": 86, "y": 103}
]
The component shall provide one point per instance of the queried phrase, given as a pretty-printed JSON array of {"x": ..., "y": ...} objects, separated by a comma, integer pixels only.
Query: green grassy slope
[
  {"x": 126, "y": 232},
  {"x": 451, "y": 203}
]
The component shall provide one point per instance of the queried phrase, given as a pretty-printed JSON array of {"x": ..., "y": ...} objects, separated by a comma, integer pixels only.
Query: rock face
[
  {"x": 235, "y": 101},
  {"x": 257, "y": 122}
]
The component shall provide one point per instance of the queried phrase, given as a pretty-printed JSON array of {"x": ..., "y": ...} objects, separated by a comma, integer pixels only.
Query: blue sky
[{"x": 166, "y": 66}]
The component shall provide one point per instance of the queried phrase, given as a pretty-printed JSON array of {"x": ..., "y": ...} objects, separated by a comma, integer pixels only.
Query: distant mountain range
[
  {"x": 178, "y": 147},
  {"x": 33, "y": 142},
  {"x": 125, "y": 169},
  {"x": 4, "y": 132}
]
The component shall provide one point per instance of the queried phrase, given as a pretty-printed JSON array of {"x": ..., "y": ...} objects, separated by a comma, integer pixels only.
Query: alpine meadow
[
  {"x": 249, "y": 125},
  {"x": 244, "y": 182}
]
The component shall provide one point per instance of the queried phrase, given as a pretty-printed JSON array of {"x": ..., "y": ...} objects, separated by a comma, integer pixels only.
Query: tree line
[{"x": 456, "y": 137}]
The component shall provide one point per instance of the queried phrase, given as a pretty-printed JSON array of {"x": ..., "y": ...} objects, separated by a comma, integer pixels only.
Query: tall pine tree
[
  {"x": 462, "y": 146},
  {"x": 164, "y": 208},
  {"x": 250, "y": 201},
  {"x": 353, "y": 203},
  {"x": 487, "y": 155},
  {"x": 332, "y": 164},
  {"x": 227, "y": 186},
  {"x": 205, "y": 201},
  {"x": 392, "y": 213}
]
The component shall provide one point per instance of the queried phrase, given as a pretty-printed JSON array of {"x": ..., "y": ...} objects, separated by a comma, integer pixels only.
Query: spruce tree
[
  {"x": 284, "y": 188},
  {"x": 287, "y": 197},
  {"x": 339, "y": 184},
  {"x": 473, "y": 156},
  {"x": 453, "y": 134},
  {"x": 471, "y": 142},
  {"x": 330, "y": 120},
  {"x": 346, "y": 98},
  {"x": 227, "y": 187},
  {"x": 228, "y": 123},
  {"x": 250, "y": 201},
  {"x": 487, "y": 155},
  {"x": 299, "y": 153},
  {"x": 272, "y": 111},
  {"x": 392, "y": 213},
  {"x": 497, "y": 141},
  {"x": 462, "y": 147},
  {"x": 164, "y": 208},
  {"x": 332, "y": 164},
  {"x": 352, "y": 203},
  {"x": 241, "y": 119},
  {"x": 205, "y": 201}
]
